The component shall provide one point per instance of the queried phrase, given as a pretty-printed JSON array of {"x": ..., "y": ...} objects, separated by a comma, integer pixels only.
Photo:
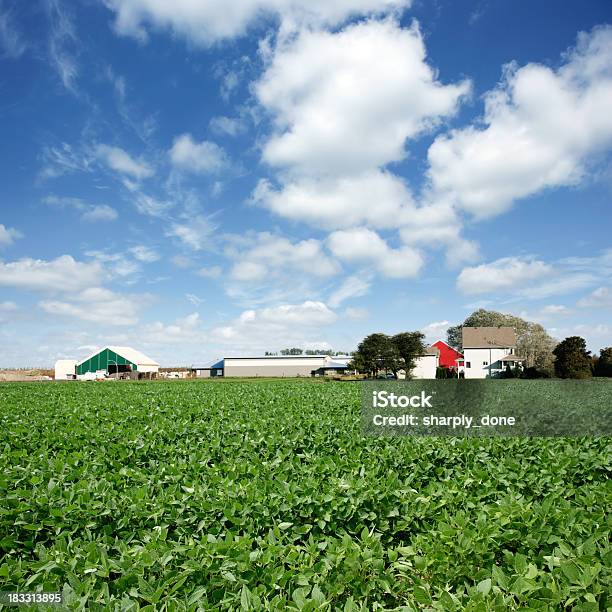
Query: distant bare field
[{"x": 9, "y": 375}]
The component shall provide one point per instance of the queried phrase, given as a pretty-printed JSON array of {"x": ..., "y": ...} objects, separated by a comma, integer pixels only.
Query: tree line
[{"x": 544, "y": 356}]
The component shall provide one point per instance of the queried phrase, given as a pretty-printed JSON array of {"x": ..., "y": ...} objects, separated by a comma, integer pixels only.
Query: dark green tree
[
  {"x": 409, "y": 345},
  {"x": 603, "y": 365},
  {"x": 572, "y": 360},
  {"x": 376, "y": 353}
]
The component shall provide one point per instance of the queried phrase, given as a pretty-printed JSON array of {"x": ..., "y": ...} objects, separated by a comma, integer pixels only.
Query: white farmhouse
[
  {"x": 487, "y": 351},
  {"x": 425, "y": 365}
]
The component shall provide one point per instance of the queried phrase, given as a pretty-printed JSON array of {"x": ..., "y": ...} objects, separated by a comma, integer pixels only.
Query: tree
[
  {"x": 409, "y": 345},
  {"x": 572, "y": 358},
  {"x": 292, "y": 351},
  {"x": 532, "y": 340},
  {"x": 376, "y": 353},
  {"x": 603, "y": 366}
]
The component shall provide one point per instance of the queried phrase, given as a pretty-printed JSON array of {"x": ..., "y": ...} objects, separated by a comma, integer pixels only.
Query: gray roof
[
  {"x": 488, "y": 337},
  {"x": 431, "y": 350}
]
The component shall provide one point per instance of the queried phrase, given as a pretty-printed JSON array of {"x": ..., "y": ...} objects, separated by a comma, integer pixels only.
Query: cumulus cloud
[
  {"x": 8, "y": 235},
  {"x": 501, "y": 275},
  {"x": 63, "y": 274},
  {"x": 184, "y": 330},
  {"x": 599, "y": 298},
  {"x": 524, "y": 277},
  {"x": 343, "y": 106},
  {"x": 198, "y": 157},
  {"x": 228, "y": 126},
  {"x": 364, "y": 245},
  {"x": 346, "y": 102},
  {"x": 204, "y": 23},
  {"x": 119, "y": 160},
  {"x": 435, "y": 331},
  {"x": 266, "y": 255},
  {"x": 261, "y": 328},
  {"x": 377, "y": 198},
  {"x": 98, "y": 305},
  {"x": 522, "y": 144}
]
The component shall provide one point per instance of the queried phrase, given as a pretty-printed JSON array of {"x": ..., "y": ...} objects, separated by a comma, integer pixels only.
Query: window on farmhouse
[
  {"x": 468, "y": 364},
  {"x": 485, "y": 363}
]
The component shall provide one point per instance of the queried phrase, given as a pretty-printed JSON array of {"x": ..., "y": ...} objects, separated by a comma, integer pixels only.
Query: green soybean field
[{"x": 264, "y": 495}]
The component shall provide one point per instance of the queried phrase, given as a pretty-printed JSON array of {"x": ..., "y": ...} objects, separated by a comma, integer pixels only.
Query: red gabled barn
[{"x": 448, "y": 355}]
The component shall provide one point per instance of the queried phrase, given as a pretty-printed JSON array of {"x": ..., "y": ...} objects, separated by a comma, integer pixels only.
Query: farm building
[
  {"x": 488, "y": 351},
  {"x": 424, "y": 366},
  {"x": 448, "y": 355},
  {"x": 281, "y": 366},
  {"x": 117, "y": 359},
  {"x": 65, "y": 369}
]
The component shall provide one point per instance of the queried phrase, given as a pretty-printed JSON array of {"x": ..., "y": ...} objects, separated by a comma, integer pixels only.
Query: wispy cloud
[
  {"x": 89, "y": 212},
  {"x": 62, "y": 44},
  {"x": 12, "y": 41}
]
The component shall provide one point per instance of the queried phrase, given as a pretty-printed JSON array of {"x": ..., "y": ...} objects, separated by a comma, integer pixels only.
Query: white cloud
[
  {"x": 64, "y": 159},
  {"x": 63, "y": 274},
  {"x": 196, "y": 234},
  {"x": 186, "y": 330},
  {"x": 199, "y": 157},
  {"x": 119, "y": 160},
  {"x": 248, "y": 271},
  {"x": 351, "y": 287},
  {"x": 375, "y": 197},
  {"x": 346, "y": 102},
  {"x": 89, "y": 212},
  {"x": 203, "y": 23},
  {"x": 146, "y": 205},
  {"x": 116, "y": 264},
  {"x": 8, "y": 235},
  {"x": 268, "y": 255},
  {"x": 194, "y": 299},
  {"x": 501, "y": 275},
  {"x": 62, "y": 43},
  {"x": 210, "y": 272},
  {"x": 12, "y": 42},
  {"x": 524, "y": 277},
  {"x": 263, "y": 329},
  {"x": 524, "y": 144},
  {"x": 435, "y": 331},
  {"x": 555, "y": 310},
  {"x": 8, "y": 306},
  {"x": 98, "y": 305},
  {"x": 100, "y": 212},
  {"x": 227, "y": 125},
  {"x": 599, "y": 298},
  {"x": 356, "y": 314},
  {"x": 366, "y": 246},
  {"x": 144, "y": 253}
]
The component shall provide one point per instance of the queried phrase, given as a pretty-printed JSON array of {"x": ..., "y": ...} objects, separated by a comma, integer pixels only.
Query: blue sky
[{"x": 199, "y": 179}]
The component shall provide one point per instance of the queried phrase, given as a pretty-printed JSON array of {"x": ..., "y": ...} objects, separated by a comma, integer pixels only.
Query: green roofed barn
[{"x": 117, "y": 359}]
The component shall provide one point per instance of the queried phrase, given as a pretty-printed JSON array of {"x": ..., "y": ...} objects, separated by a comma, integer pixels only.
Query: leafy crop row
[{"x": 204, "y": 495}]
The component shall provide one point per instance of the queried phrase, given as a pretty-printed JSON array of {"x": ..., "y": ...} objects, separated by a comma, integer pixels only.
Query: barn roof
[
  {"x": 488, "y": 337},
  {"x": 127, "y": 352}
]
